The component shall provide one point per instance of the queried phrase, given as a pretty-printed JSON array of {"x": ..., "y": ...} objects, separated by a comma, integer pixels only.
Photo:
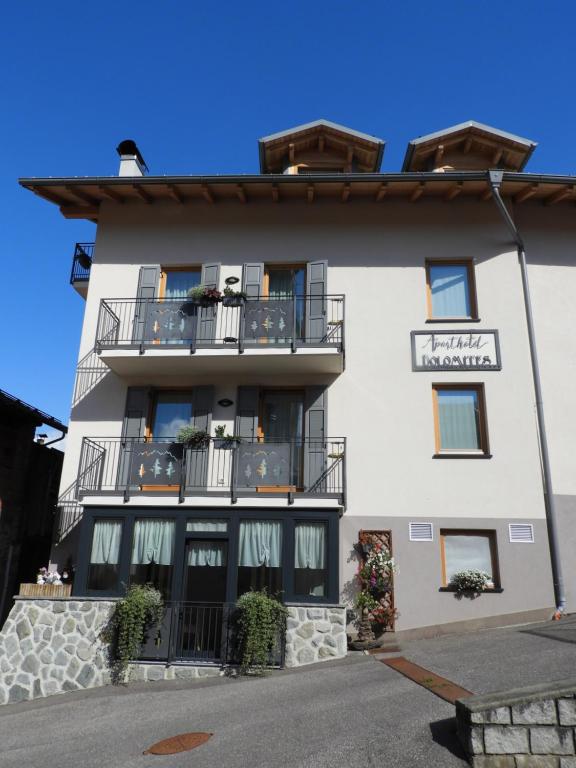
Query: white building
[{"x": 378, "y": 375}]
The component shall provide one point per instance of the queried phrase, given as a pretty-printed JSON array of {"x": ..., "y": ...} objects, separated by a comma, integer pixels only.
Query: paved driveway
[{"x": 351, "y": 713}]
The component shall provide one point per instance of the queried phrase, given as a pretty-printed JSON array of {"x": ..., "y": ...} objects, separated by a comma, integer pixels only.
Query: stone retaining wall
[
  {"x": 315, "y": 633},
  {"x": 531, "y": 727}
]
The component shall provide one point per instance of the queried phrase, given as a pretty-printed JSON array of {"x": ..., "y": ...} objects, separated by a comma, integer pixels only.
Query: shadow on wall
[{"x": 89, "y": 372}]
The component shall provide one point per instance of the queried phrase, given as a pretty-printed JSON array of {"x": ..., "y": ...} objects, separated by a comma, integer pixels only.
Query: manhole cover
[{"x": 181, "y": 743}]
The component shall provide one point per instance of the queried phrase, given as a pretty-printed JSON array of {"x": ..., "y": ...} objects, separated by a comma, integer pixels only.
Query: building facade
[{"x": 374, "y": 375}]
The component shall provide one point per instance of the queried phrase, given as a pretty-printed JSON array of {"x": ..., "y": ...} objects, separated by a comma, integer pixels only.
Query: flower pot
[
  {"x": 224, "y": 443},
  {"x": 233, "y": 301}
]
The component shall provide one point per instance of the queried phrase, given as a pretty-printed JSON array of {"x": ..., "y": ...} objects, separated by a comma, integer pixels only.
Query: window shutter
[
  {"x": 134, "y": 426},
  {"x": 521, "y": 533},
  {"x": 197, "y": 461},
  {"x": 148, "y": 280},
  {"x": 315, "y": 422},
  {"x": 206, "y": 325},
  {"x": 253, "y": 280},
  {"x": 202, "y": 400},
  {"x": 316, "y": 274},
  {"x": 421, "y": 531},
  {"x": 247, "y": 412}
]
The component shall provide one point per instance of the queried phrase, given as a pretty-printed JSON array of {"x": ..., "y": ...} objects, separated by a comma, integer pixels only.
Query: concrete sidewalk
[{"x": 352, "y": 713}]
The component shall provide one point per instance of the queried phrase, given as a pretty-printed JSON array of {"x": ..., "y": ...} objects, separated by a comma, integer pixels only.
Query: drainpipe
[{"x": 495, "y": 181}]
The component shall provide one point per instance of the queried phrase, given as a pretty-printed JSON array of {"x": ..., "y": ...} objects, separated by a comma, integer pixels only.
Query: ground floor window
[
  {"x": 212, "y": 557},
  {"x": 469, "y": 550},
  {"x": 105, "y": 555}
]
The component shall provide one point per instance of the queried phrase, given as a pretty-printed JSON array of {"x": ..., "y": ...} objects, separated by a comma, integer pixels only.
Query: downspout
[
  {"x": 495, "y": 181},
  {"x": 57, "y": 440}
]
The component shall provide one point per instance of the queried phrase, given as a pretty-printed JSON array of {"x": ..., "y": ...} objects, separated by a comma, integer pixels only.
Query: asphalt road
[{"x": 351, "y": 713}]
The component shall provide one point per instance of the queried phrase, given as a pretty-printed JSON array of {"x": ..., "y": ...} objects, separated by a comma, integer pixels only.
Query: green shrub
[
  {"x": 260, "y": 620},
  {"x": 193, "y": 436},
  {"x": 141, "y": 609}
]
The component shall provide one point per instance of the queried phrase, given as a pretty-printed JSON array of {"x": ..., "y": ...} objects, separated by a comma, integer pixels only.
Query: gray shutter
[
  {"x": 316, "y": 273},
  {"x": 252, "y": 280},
  {"x": 247, "y": 412},
  {"x": 134, "y": 426},
  {"x": 198, "y": 460},
  {"x": 315, "y": 423},
  {"x": 206, "y": 327},
  {"x": 147, "y": 286}
]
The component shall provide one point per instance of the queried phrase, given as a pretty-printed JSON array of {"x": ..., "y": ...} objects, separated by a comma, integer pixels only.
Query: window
[
  {"x": 469, "y": 550},
  {"x": 460, "y": 419},
  {"x": 153, "y": 554},
  {"x": 105, "y": 556},
  {"x": 451, "y": 290},
  {"x": 260, "y": 556},
  {"x": 175, "y": 282},
  {"x": 310, "y": 566},
  {"x": 172, "y": 411}
]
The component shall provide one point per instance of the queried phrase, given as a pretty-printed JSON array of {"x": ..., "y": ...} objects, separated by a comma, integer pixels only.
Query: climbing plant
[{"x": 260, "y": 621}]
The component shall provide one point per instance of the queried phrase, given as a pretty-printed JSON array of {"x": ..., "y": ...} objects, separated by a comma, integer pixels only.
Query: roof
[
  {"x": 36, "y": 415},
  {"x": 520, "y": 147},
  {"x": 81, "y": 197},
  {"x": 371, "y": 147}
]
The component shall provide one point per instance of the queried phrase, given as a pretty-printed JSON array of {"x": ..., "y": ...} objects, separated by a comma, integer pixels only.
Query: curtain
[
  {"x": 153, "y": 542},
  {"x": 281, "y": 285},
  {"x": 450, "y": 293},
  {"x": 106, "y": 542},
  {"x": 457, "y": 414},
  {"x": 260, "y": 543},
  {"x": 310, "y": 545},
  {"x": 463, "y": 553},
  {"x": 207, "y": 526},
  {"x": 178, "y": 283},
  {"x": 207, "y": 553}
]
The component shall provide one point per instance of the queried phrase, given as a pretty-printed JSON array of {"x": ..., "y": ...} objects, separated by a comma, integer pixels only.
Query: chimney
[{"x": 131, "y": 161}]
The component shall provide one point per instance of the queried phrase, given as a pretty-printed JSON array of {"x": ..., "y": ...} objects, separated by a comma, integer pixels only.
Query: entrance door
[
  {"x": 201, "y": 630},
  {"x": 288, "y": 283},
  {"x": 282, "y": 428}
]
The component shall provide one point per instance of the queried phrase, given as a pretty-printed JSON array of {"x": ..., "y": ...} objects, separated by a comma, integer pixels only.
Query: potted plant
[
  {"x": 222, "y": 440},
  {"x": 471, "y": 581},
  {"x": 192, "y": 437},
  {"x": 233, "y": 298},
  {"x": 204, "y": 296}
]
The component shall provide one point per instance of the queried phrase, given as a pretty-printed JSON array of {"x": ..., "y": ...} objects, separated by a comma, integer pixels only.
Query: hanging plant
[
  {"x": 260, "y": 621},
  {"x": 201, "y": 294},
  {"x": 133, "y": 616},
  {"x": 193, "y": 437}
]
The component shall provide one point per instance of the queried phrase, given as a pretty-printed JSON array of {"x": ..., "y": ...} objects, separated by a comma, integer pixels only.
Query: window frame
[
  {"x": 492, "y": 537},
  {"x": 469, "y": 264},
  {"x": 484, "y": 450}
]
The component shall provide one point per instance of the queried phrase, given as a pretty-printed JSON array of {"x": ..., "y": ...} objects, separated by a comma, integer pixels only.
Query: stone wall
[
  {"x": 51, "y": 646},
  {"x": 531, "y": 727},
  {"x": 315, "y": 633}
]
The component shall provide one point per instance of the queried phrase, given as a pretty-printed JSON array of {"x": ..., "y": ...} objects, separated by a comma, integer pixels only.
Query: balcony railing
[
  {"x": 245, "y": 467},
  {"x": 200, "y": 633},
  {"x": 81, "y": 262},
  {"x": 293, "y": 322}
]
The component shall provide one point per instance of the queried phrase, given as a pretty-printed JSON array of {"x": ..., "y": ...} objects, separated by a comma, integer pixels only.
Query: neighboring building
[
  {"x": 378, "y": 375},
  {"x": 29, "y": 480}
]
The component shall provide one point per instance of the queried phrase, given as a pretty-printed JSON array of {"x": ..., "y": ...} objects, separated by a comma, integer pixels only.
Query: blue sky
[{"x": 196, "y": 84}]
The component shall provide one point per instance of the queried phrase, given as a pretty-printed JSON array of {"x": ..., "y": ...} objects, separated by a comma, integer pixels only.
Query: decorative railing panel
[
  {"x": 232, "y": 323},
  {"x": 237, "y": 467}
]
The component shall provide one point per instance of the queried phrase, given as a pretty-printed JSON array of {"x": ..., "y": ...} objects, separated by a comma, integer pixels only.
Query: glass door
[
  {"x": 200, "y": 632},
  {"x": 172, "y": 319},
  {"x": 287, "y": 285},
  {"x": 282, "y": 430}
]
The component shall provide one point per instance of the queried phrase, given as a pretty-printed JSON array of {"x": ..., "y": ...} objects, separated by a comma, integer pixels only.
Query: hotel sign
[{"x": 455, "y": 351}]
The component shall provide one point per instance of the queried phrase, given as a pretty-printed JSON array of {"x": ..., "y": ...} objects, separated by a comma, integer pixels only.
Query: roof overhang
[
  {"x": 502, "y": 149},
  {"x": 33, "y": 414},
  {"x": 80, "y": 198}
]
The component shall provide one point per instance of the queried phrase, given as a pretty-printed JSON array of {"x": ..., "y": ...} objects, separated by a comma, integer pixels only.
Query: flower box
[{"x": 45, "y": 590}]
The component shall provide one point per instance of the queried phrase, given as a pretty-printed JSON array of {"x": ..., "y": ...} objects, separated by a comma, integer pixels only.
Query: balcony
[
  {"x": 235, "y": 469},
  {"x": 300, "y": 334},
  {"x": 81, "y": 264}
]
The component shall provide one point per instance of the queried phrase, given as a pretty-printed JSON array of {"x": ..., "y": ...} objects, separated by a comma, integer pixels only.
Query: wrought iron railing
[
  {"x": 236, "y": 467},
  {"x": 295, "y": 321},
  {"x": 200, "y": 633},
  {"x": 81, "y": 262}
]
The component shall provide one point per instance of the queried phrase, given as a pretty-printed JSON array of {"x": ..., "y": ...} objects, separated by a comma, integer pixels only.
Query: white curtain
[
  {"x": 458, "y": 420},
  {"x": 207, "y": 553},
  {"x": 260, "y": 543},
  {"x": 450, "y": 294},
  {"x": 106, "y": 542},
  {"x": 463, "y": 553},
  {"x": 153, "y": 542},
  {"x": 207, "y": 526},
  {"x": 310, "y": 546}
]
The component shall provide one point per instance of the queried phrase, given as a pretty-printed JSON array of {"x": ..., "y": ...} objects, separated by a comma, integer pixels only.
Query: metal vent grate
[
  {"x": 522, "y": 533},
  {"x": 421, "y": 531}
]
